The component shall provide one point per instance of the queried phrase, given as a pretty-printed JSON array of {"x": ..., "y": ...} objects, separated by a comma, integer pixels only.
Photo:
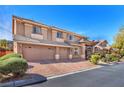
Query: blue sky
[{"x": 96, "y": 22}]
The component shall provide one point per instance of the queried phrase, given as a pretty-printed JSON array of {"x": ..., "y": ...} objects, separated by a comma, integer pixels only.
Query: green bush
[
  {"x": 114, "y": 59},
  {"x": 9, "y": 56},
  {"x": 101, "y": 53},
  {"x": 95, "y": 58},
  {"x": 121, "y": 53},
  {"x": 110, "y": 58},
  {"x": 16, "y": 66}
]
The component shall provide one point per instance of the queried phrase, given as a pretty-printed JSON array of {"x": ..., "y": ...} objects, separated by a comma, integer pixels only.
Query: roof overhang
[{"x": 27, "y": 42}]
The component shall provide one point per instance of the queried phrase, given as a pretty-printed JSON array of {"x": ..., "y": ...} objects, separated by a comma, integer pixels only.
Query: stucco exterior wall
[
  {"x": 17, "y": 48},
  {"x": 28, "y": 30},
  {"x": 44, "y": 33},
  {"x": 54, "y": 35},
  {"x": 49, "y": 34},
  {"x": 64, "y": 53},
  {"x": 20, "y": 28},
  {"x": 65, "y": 36}
]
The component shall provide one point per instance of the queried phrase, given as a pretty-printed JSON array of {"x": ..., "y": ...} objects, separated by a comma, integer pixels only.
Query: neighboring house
[
  {"x": 95, "y": 46},
  {"x": 101, "y": 45},
  {"x": 36, "y": 41}
]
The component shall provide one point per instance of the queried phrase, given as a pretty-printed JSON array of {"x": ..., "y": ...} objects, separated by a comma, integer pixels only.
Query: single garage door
[
  {"x": 38, "y": 53},
  {"x": 64, "y": 53}
]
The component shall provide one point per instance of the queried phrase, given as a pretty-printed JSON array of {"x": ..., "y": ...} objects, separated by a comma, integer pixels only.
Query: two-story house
[{"x": 37, "y": 41}]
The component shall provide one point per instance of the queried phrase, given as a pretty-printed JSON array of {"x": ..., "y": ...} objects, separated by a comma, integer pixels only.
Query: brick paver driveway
[{"x": 51, "y": 68}]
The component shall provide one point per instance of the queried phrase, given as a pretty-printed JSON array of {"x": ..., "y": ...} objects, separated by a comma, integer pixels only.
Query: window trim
[
  {"x": 59, "y": 35},
  {"x": 37, "y": 30}
]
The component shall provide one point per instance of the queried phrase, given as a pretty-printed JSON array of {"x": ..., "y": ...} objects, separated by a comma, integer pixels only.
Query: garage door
[
  {"x": 64, "y": 53},
  {"x": 38, "y": 53}
]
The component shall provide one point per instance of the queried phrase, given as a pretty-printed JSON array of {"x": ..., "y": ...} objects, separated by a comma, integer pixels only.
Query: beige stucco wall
[
  {"x": 64, "y": 53},
  {"x": 17, "y": 48},
  {"x": 54, "y": 35},
  {"x": 44, "y": 32},
  {"x": 24, "y": 27},
  {"x": 65, "y": 36},
  {"x": 28, "y": 30},
  {"x": 19, "y": 28},
  {"x": 49, "y": 34}
]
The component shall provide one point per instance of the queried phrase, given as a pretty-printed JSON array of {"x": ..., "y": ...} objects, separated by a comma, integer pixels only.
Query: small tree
[
  {"x": 119, "y": 43},
  {"x": 119, "y": 40},
  {"x": 3, "y": 43}
]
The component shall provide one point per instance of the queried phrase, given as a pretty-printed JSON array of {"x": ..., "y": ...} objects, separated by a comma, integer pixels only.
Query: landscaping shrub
[
  {"x": 114, "y": 59},
  {"x": 110, "y": 58},
  {"x": 121, "y": 53},
  {"x": 95, "y": 58},
  {"x": 101, "y": 53},
  {"x": 16, "y": 66},
  {"x": 9, "y": 56}
]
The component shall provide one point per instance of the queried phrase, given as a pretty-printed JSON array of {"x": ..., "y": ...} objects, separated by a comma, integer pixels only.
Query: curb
[
  {"x": 83, "y": 70},
  {"x": 18, "y": 83}
]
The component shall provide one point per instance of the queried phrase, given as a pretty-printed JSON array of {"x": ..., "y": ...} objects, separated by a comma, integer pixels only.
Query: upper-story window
[
  {"x": 70, "y": 37},
  {"x": 59, "y": 35},
  {"x": 36, "y": 30}
]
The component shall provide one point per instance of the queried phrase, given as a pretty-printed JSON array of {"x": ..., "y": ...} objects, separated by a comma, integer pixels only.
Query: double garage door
[{"x": 39, "y": 53}]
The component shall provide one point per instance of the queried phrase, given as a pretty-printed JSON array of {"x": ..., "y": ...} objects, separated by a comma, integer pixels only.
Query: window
[
  {"x": 36, "y": 30},
  {"x": 76, "y": 51},
  {"x": 59, "y": 34},
  {"x": 70, "y": 37}
]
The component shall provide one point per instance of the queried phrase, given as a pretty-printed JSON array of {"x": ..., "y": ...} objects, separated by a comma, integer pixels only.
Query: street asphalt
[{"x": 107, "y": 76}]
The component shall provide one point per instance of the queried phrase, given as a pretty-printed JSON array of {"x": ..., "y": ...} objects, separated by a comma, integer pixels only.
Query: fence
[{"x": 4, "y": 52}]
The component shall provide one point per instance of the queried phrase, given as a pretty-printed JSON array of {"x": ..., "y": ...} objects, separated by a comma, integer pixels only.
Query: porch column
[
  {"x": 57, "y": 56},
  {"x": 20, "y": 49},
  {"x": 15, "y": 47},
  {"x": 83, "y": 54},
  {"x": 70, "y": 53}
]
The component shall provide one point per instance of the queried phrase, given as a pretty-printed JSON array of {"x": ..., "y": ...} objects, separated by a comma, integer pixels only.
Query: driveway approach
[{"x": 108, "y": 76}]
